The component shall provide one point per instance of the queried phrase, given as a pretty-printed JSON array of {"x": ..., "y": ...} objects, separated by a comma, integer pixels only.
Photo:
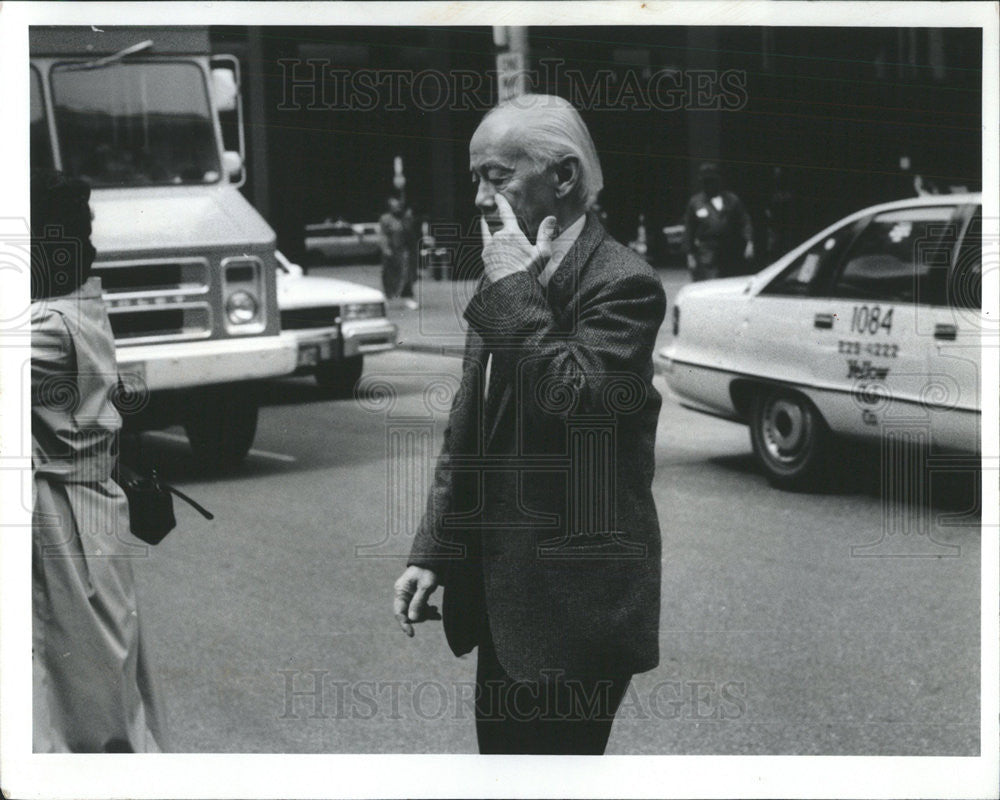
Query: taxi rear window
[
  {"x": 965, "y": 289},
  {"x": 901, "y": 256}
]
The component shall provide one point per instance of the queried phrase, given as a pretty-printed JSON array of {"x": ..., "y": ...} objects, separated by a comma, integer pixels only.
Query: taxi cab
[{"x": 870, "y": 329}]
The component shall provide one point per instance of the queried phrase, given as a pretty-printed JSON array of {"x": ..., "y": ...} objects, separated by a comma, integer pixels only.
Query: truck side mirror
[
  {"x": 229, "y": 111},
  {"x": 232, "y": 163},
  {"x": 225, "y": 89}
]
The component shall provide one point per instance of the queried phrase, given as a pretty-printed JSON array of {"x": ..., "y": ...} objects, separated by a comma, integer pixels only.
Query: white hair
[{"x": 549, "y": 130}]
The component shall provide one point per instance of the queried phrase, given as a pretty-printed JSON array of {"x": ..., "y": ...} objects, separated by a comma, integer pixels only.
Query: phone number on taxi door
[{"x": 873, "y": 349}]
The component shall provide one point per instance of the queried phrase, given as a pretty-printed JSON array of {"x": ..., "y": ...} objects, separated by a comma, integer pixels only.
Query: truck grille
[
  {"x": 157, "y": 301},
  {"x": 318, "y": 317},
  {"x": 177, "y": 323}
]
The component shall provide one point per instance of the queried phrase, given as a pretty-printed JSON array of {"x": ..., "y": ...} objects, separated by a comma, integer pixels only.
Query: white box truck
[{"x": 187, "y": 264}]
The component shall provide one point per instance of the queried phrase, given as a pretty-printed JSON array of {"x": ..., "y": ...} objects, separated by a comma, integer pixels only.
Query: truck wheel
[
  {"x": 789, "y": 437},
  {"x": 339, "y": 377},
  {"x": 221, "y": 425}
]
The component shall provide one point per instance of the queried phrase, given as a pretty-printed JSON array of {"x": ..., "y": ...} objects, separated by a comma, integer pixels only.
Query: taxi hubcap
[{"x": 786, "y": 429}]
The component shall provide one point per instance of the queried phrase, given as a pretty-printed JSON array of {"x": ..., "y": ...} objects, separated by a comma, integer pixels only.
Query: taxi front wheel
[{"x": 790, "y": 438}]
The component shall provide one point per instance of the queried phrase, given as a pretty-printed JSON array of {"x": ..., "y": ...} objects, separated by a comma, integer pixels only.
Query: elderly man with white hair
[{"x": 540, "y": 522}]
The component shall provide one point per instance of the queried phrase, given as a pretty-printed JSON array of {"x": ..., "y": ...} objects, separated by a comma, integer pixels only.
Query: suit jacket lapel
[
  {"x": 467, "y": 415},
  {"x": 565, "y": 280},
  {"x": 495, "y": 407}
]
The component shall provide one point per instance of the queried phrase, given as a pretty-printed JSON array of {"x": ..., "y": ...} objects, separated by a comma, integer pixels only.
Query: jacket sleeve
[
  {"x": 584, "y": 371},
  {"x": 430, "y": 550}
]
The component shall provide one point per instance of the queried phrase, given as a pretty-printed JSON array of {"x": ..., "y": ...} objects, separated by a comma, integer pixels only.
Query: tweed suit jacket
[{"x": 540, "y": 522}]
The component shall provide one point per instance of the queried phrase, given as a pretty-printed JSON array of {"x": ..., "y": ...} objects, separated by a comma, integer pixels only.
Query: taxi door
[
  {"x": 871, "y": 359},
  {"x": 951, "y": 324}
]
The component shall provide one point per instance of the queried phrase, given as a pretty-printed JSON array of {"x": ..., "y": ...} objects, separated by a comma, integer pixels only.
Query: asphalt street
[{"x": 790, "y": 624}]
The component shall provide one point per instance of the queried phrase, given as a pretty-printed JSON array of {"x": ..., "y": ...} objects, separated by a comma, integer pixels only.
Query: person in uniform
[
  {"x": 540, "y": 522},
  {"x": 718, "y": 234},
  {"x": 397, "y": 240},
  {"x": 92, "y": 687}
]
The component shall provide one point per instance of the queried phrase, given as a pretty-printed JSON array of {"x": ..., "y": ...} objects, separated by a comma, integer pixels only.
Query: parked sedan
[
  {"x": 337, "y": 241},
  {"x": 334, "y": 323},
  {"x": 869, "y": 329}
]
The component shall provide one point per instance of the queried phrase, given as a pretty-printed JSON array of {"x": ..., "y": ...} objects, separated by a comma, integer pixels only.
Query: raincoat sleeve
[{"x": 51, "y": 350}]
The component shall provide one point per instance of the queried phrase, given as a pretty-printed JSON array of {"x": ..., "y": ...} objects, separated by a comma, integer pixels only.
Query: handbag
[
  {"x": 151, "y": 504},
  {"x": 150, "y": 500}
]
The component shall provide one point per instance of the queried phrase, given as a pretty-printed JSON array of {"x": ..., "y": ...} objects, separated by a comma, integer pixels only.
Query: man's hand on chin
[
  {"x": 412, "y": 590},
  {"x": 508, "y": 250}
]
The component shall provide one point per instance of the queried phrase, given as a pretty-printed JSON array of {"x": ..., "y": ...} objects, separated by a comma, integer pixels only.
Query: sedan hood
[{"x": 307, "y": 291}]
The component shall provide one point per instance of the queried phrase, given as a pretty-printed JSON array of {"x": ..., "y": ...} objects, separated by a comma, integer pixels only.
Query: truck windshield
[{"x": 135, "y": 124}]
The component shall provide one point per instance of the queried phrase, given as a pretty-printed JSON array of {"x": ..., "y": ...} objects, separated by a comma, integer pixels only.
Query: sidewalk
[{"x": 438, "y": 326}]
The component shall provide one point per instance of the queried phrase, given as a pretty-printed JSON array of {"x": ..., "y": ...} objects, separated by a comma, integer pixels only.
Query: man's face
[
  {"x": 500, "y": 165},
  {"x": 711, "y": 184}
]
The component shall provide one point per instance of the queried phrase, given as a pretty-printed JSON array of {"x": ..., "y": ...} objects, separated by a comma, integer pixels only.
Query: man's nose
[{"x": 485, "y": 196}]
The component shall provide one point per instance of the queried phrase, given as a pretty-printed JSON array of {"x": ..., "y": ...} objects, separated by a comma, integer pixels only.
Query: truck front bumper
[{"x": 183, "y": 364}]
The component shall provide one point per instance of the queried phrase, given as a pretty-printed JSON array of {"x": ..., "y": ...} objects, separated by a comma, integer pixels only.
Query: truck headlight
[
  {"x": 241, "y": 307},
  {"x": 363, "y": 311}
]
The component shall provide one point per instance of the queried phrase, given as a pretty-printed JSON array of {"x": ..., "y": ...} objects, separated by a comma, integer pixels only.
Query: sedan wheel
[
  {"x": 789, "y": 438},
  {"x": 338, "y": 377}
]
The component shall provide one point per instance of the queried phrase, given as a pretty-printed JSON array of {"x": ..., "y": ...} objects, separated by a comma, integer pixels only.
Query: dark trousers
[
  {"x": 398, "y": 274},
  {"x": 558, "y": 716}
]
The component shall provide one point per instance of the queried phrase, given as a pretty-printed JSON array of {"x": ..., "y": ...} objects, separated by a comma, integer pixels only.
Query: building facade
[{"x": 850, "y": 115}]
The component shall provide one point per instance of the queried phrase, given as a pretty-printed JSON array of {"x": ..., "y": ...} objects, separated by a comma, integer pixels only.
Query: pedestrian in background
[
  {"x": 553, "y": 572},
  {"x": 718, "y": 233},
  {"x": 92, "y": 689},
  {"x": 397, "y": 237},
  {"x": 413, "y": 229}
]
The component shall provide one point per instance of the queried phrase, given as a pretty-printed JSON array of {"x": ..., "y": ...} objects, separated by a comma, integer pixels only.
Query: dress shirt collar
[{"x": 560, "y": 247}]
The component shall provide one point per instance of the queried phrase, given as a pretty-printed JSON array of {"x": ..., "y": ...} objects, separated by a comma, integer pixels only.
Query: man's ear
[{"x": 567, "y": 176}]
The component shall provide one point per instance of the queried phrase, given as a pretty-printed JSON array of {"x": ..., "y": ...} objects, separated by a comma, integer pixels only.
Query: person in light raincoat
[{"x": 92, "y": 690}]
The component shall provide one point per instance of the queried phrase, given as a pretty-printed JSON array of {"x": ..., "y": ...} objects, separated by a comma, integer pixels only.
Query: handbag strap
[{"x": 197, "y": 507}]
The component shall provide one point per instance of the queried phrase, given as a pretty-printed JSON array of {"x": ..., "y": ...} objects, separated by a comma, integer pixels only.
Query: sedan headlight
[
  {"x": 353, "y": 311},
  {"x": 241, "y": 307}
]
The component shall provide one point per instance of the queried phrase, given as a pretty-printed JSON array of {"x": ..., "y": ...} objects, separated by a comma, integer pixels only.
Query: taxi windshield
[{"x": 135, "y": 124}]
